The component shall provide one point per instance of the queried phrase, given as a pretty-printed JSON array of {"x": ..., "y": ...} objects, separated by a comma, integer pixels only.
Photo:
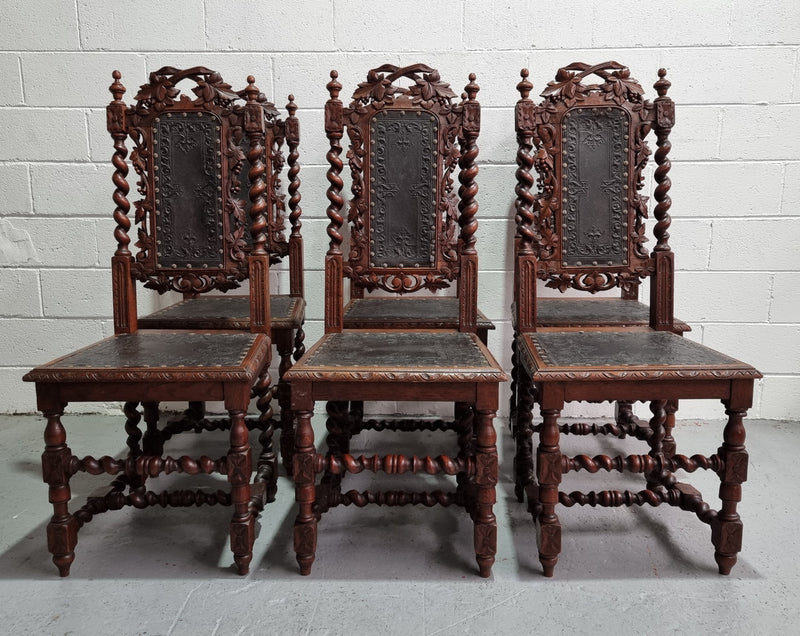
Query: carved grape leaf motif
[
  {"x": 548, "y": 242},
  {"x": 566, "y": 86},
  {"x": 213, "y": 90},
  {"x": 430, "y": 88},
  {"x": 377, "y": 88},
  {"x": 238, "y": 244},
  {"x": 158, "y": 94},
  {"x": 620, "y": 87},
  {"x": 561, "y": 282}
]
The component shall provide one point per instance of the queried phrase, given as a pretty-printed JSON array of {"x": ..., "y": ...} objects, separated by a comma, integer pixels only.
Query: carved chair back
[
  {"x": 585, "y": 227},
  {"x": 193, "y": 221},
  {"x": 404, "y": 214}
]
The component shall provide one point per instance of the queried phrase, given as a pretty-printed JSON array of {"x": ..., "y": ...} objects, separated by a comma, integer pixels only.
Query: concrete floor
[{"x": 400, "y": 571}]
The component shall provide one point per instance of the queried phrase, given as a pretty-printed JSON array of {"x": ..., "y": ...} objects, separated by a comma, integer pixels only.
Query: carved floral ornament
[
  {"x": 427, "y": 88},
  {"x": 211, "y": 91},
  {"x": 426, "y": 93},
  {"x": 155, "y": 102},
  {"x": 544, "y": 225},
  {"x": 618, "y": 86}
]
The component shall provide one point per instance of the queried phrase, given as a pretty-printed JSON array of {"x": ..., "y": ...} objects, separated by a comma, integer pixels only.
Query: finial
[
  {"x": 291, "y": 106},
  {"x": 333, "y": 86},
  {"x": 251, "y": 91},
  {"x": 524, "y": 87},
  {"x": 117, "y": 89},
  {"x": 663, "y": 84},
  {"x": 472, "y": 88}
]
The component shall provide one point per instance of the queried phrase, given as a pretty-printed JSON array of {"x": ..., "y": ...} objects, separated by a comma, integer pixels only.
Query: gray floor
[{"x": 400, "y": 571}]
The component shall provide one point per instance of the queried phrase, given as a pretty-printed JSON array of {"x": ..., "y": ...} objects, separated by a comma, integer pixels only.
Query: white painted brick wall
[{"x": 734, "y": 65}]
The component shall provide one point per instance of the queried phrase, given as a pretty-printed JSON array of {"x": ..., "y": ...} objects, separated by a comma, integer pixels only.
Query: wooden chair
[
  {"x": 232, "y": 311},
  {"x": 191, "y": 233},
  {"x": 420, "y": 247},
  {"x": 576, "y": 311},
  {"x": 585, "y": 229},
  {"x": 403, "y": 143}
]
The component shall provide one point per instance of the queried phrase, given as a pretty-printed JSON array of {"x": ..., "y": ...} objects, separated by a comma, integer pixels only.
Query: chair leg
[
  {"x": 523, "y": 434},
  {"x": 284, "y": 343},
  {"x": 466, "y": 432},
  {"x": 727, "y": 527},
  {"x": 267, "y": 464},
  {"x": 671, "y": 407},
  {"x": 132, "y": 419},
  {"x": 239, "y": 467},
  {"x": 152, "y": 442},
  {"x": 356, "y": 415},
  {"x": 624, "y": 416},
  {"x": 299, "y": 346},
  {"x": 548, "y": 472},
  {"x": 485, "y": 523},
  {"x": 514, "y": 385},
  {"x": 62, "y": 530},
  {"x": 134, "y": 442},
  {"x": 658, "y": 480},
  {"x": 338, "y": 439},
  {"x": 305, "y": 524}
]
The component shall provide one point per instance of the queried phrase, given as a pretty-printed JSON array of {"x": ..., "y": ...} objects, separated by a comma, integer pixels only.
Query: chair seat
[
  {"x": 181, "y": 356},
  {"x": 148, "y": 367},
  {"x": 223, "y": 312},
  {"x": 416, "y": 356},
  {"x": 625, "y": 355},
  {"x": 416, "y": 366},
  {"x": 588, "y": 312},
  {"x": 413, "y": 313}
]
